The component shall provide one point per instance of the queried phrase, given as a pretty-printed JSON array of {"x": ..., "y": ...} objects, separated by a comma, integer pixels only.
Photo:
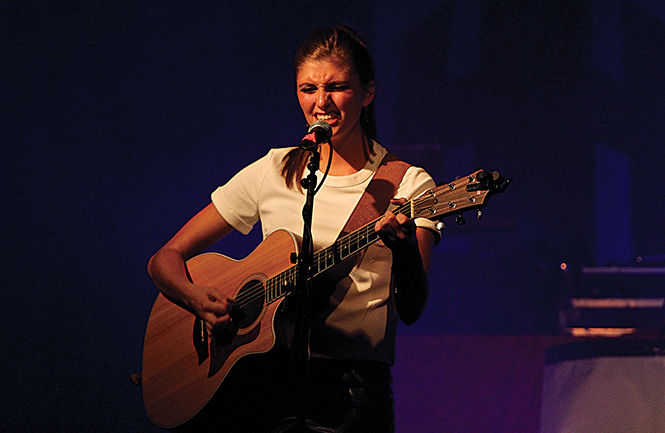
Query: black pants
[{"x": 260, "y": 396}]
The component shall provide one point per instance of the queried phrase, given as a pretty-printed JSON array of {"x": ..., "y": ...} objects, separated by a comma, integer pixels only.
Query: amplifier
[{"x": 614, "y": 301}]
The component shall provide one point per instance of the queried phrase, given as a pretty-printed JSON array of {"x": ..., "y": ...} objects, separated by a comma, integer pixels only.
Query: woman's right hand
[{"x": 212, "y": 307}]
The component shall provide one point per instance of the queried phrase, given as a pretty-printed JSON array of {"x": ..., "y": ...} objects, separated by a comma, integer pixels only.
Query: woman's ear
[{"x": 369, "y": 94}]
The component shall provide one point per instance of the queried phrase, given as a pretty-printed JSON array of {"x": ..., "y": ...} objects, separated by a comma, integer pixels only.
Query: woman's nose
[{"x": 322, "y": 98}]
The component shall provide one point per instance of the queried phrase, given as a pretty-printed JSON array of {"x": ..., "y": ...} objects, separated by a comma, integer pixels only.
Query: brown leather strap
[{"x": 376, "y": 198}]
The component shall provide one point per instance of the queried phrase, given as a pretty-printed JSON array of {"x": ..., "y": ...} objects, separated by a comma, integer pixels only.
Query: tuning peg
[
  {"x": 440, "y": 226},
  {"x": 459, "y": 219},
  {"x": 480, "y": 214}
]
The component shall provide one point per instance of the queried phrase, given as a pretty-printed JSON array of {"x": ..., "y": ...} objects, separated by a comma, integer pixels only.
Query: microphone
[{"x": 317, "y": 133}]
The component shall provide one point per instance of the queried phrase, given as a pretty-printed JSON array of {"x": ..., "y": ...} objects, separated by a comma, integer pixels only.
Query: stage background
[{"x": 120, "y": 118}]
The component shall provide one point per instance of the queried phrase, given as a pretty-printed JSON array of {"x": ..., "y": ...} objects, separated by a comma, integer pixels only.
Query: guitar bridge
[{"x": 200, "y": 340}]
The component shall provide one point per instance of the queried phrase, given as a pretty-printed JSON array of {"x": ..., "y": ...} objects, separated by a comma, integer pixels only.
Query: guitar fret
[
  {"x": 272, "y": 286},
  {"x": 328, "y": 257},
  {"x": 320, "y": 262},
  {"x": 274, "y": 289},
  {"x": 316, "y": 265}
]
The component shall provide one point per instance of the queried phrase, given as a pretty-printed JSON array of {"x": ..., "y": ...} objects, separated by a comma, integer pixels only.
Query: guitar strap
[{"x": 375, "y": 200}]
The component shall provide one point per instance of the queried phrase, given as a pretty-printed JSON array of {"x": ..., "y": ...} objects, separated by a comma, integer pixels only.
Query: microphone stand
[{"x": 302, "y": 292}]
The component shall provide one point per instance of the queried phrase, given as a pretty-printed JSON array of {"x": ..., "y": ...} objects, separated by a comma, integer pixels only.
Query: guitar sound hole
[{"x": 249, "y": 303}]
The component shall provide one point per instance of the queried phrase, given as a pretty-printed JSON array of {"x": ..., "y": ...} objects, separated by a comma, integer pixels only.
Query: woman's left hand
[
  {"x": 397, "y": 231},
  {"x": 411, "y": 249}
]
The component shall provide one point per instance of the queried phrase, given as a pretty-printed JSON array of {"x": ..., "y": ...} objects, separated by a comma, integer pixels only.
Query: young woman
[{"x": 352, "y": 338}]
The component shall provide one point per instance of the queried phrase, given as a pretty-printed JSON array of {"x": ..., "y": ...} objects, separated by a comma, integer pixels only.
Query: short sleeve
[
  {"x": 415, "y": 182},
  {"x": 237, "y": 200}
]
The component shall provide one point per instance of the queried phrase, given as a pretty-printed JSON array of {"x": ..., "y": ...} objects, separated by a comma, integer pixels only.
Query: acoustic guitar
[{"x": 183, "y": 368}]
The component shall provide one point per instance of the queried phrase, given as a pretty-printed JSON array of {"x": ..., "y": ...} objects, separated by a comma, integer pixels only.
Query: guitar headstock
[{"x": 466, "y": 193}]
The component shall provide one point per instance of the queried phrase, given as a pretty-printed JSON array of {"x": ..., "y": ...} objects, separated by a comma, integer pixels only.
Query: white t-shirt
[{"x": 363, "y": 322}]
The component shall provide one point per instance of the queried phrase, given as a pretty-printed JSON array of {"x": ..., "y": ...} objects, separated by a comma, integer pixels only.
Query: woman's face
[{"x": 329, "y": 90}]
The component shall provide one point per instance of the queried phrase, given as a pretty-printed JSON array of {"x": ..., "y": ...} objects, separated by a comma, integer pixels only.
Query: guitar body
[{"x": 182, "y": 368}]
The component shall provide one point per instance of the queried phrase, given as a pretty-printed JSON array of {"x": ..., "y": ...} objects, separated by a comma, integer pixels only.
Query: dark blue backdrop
[{"x": 120, "y": 118}]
